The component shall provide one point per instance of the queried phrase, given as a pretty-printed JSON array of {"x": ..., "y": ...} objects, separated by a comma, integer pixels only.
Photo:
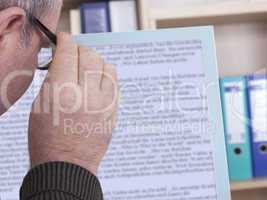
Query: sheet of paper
[
  {"x": 14, "y": 159},
  {"x": 13, "y": 148},
  {"x": 169, "y": 142}
]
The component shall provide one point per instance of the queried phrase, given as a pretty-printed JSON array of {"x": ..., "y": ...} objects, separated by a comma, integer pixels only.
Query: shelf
[
  {"x": 64, "y": 23},
  {"x": 211, "y": 13},
  {"x": 213, "y": 10},
  {"x": 249, "y": 185},
  {"x": 69, "y": 4}
]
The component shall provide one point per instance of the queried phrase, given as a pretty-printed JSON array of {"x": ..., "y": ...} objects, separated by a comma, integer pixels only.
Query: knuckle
[
  {"x": 91, "y": 57},
  {"x": 88, "y": 52},
  {"x": 94, "y": 54},
  {"x": 111, "y": 69},
  {"x": 95, "y": 57}
]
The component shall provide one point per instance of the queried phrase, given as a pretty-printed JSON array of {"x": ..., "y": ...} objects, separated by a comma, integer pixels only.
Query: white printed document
[{"x": 169, "y": 142}]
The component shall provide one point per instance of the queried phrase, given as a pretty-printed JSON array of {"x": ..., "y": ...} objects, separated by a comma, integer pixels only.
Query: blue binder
[
  {"x": 235, "y": 111},
  {"x": 95, "y": 17},
  {"x": 257, "y": 92}
]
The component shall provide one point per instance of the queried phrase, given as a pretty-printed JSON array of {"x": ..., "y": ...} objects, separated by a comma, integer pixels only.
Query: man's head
[{"x": 20, "y": 43}]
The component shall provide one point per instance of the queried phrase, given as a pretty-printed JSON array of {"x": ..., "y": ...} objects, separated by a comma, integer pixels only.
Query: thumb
[{"x": 64, "y": 67}]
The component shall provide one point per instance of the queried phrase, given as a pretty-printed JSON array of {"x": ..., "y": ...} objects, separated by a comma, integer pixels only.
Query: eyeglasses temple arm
[{"x": 52, "y": 37}]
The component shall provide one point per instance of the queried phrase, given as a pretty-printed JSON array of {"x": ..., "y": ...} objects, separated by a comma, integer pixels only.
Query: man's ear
[{"x": 11, "y": 19}]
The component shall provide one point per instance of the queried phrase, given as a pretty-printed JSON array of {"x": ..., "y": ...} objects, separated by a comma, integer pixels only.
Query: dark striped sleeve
[{"x": 60, "y": 180}]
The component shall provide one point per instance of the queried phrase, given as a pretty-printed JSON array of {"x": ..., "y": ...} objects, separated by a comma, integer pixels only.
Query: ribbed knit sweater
[{"x": 60, "y": 181}]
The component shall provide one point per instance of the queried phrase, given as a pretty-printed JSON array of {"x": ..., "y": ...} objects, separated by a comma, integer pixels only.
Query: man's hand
[{"x": 73, "y": 116}]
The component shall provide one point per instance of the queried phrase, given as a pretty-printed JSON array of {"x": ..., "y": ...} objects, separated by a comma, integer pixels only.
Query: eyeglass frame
[{"x": 49, "y": 34}]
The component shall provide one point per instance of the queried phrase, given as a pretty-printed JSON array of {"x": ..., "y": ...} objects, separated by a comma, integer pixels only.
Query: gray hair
[{"x": 37, "y": 8}]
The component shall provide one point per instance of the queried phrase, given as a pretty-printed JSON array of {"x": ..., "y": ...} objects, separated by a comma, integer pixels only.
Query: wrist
[{"x": 63, "y": 157}]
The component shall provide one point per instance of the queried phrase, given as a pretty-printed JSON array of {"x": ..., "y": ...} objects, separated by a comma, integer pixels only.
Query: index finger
[{"x": 64, "y": 67}]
